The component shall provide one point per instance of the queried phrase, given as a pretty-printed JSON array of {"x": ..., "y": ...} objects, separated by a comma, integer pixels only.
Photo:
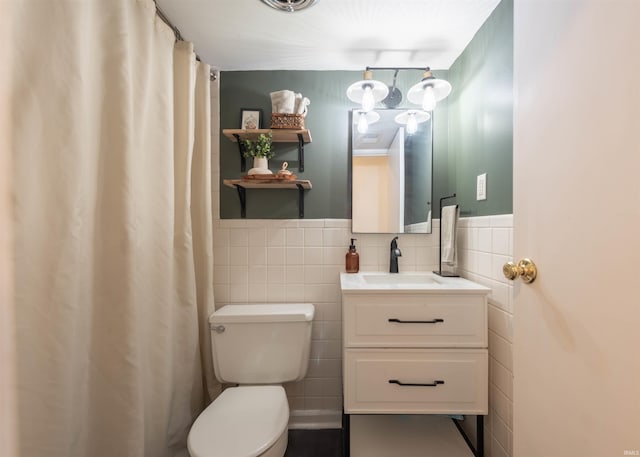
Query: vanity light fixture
[
  {"x": 426, "y": 93},
  {"x": 365, "y": 118},
  {"x": 412, "y": 118},
  {"x": 429, "y": 91},
  {"x": 290, "y": 6},
  {"x": 368, "y": 91}
]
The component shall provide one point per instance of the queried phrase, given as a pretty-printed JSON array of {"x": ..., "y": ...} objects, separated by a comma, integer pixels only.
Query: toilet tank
[{"x": 261, "y": 344}]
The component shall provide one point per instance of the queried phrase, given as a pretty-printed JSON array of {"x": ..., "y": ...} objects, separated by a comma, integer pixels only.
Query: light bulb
[
  {"x": 412, "y": 124},
  {"x": 429, "y": 99},
  {"x": 368, "y": 102},
  {"x": 363, "y": 125}
]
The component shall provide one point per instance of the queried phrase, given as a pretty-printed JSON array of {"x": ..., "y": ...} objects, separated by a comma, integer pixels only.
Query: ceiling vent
[{"x": 289, "y": 6}]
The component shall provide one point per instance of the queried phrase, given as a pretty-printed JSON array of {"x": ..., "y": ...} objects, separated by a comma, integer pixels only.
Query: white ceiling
[{"x": 330, "y": 35}]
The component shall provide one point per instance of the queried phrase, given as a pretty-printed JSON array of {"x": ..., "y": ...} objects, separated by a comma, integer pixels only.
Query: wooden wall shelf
[
  {"x": 279, "y": 135},
  {"x": 300, "y": 136},
  {"x": 241, "y": 185}
]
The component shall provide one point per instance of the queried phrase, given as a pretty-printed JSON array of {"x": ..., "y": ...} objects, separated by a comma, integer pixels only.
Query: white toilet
[{"x": 258, "y": 347}]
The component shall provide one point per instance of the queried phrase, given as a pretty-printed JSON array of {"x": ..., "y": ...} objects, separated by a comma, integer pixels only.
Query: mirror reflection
[{"x": 391, "y": 175}]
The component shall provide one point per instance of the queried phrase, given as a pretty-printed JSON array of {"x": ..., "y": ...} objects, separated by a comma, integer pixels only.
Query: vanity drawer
[
  {"x": 448, "y": 381},
  {"x": 415, "y": 321}
]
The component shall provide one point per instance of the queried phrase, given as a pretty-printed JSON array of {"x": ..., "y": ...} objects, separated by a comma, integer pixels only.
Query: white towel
[
  {"x": 283, "y": 101},
  {"x": 301, "y": 105},
  {"x": 448, "y": 221}
]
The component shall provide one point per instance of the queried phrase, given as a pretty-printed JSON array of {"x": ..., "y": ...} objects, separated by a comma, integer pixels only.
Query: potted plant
[{"x": 261, "y": 151}]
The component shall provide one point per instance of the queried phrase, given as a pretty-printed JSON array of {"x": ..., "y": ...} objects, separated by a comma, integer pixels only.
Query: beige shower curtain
[{"x": 113, "y": 251}]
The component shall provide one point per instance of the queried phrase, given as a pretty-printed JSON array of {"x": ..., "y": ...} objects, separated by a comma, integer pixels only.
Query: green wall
[
  {"x": 480, "y": 118},
  {"x": 444, "y": 164},
  {"x": 327, "y": 162},
  {"x": 473, "y": 130},
  {"x": 326, "y": 157}
]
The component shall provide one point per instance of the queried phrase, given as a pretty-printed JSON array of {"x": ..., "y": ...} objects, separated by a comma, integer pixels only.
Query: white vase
[{"x": 260, "y": 166}]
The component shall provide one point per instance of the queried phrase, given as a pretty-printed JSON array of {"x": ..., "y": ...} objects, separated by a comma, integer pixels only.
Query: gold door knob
[{"x": 526, "y": 269}]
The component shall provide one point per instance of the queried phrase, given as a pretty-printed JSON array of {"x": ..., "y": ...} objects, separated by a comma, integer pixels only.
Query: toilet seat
[{"x": 242, "y": 422}]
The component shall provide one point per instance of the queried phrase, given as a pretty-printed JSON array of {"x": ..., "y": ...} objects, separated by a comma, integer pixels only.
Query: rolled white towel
[
  {"x": 283, "y": 101},
  {"x": 296, "y": 105},
  {"x": 301, "y": 105}
]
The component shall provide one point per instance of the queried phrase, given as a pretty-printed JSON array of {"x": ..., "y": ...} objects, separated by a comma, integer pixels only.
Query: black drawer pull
[
  {"x": 432, "y": 321},
  {"x": 434, "y": 384}
]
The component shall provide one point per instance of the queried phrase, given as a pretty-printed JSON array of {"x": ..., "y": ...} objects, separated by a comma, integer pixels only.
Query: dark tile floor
[{"x": 314, "y": 443}]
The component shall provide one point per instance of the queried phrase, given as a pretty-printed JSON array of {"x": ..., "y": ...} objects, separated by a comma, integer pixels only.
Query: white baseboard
[{"x": 314, "y": 419}]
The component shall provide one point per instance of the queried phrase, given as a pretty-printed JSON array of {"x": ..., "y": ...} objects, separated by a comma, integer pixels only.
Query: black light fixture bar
[{"x": 399, "y": 68}]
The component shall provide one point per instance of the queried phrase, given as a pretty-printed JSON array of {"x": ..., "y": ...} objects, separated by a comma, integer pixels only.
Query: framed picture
[{"x": 250, "y": 118}]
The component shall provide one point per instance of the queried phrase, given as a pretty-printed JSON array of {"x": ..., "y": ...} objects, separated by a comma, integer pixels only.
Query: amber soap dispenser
[{"x": 352, "y": 260}]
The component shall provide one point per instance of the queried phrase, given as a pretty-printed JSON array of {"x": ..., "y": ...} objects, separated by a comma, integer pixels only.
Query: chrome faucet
[{"x": 393, "y": 259}]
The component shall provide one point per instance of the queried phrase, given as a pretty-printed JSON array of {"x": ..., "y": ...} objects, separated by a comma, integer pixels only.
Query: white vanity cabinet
[
  {"x": 414, "y": 348},
  {"x": 420, "y": 353}
]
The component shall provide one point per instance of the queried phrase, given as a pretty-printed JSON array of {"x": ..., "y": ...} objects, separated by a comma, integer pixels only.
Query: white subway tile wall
[{"x": 485, "y": 244}]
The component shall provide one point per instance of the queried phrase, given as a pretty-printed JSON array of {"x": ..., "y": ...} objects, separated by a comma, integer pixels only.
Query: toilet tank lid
[{"x": 289, "y": 312}]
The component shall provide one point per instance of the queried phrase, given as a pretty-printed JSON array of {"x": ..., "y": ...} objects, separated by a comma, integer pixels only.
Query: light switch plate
[{"x": 481, "y": 187}]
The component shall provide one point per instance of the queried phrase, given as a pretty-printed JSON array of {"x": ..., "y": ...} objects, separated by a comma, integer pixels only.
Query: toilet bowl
[
  {"x": 258, "y": 347},
  {"x": 242, "y": 422}
]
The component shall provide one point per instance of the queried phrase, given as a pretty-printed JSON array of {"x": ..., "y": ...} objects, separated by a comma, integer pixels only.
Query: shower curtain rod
[{"x": 212, "y": 74}]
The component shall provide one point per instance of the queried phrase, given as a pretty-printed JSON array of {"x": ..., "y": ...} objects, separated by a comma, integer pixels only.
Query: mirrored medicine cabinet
[{"x": 391, "y": 176}]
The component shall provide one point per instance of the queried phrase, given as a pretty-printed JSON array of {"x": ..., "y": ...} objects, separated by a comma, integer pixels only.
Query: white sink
[
  {"x": 395, "y": 278},
  {"x": 378, "y": 281}
]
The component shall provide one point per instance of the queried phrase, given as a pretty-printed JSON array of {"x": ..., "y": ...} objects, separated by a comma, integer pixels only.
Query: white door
[{"x": 577, "y": 216}]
